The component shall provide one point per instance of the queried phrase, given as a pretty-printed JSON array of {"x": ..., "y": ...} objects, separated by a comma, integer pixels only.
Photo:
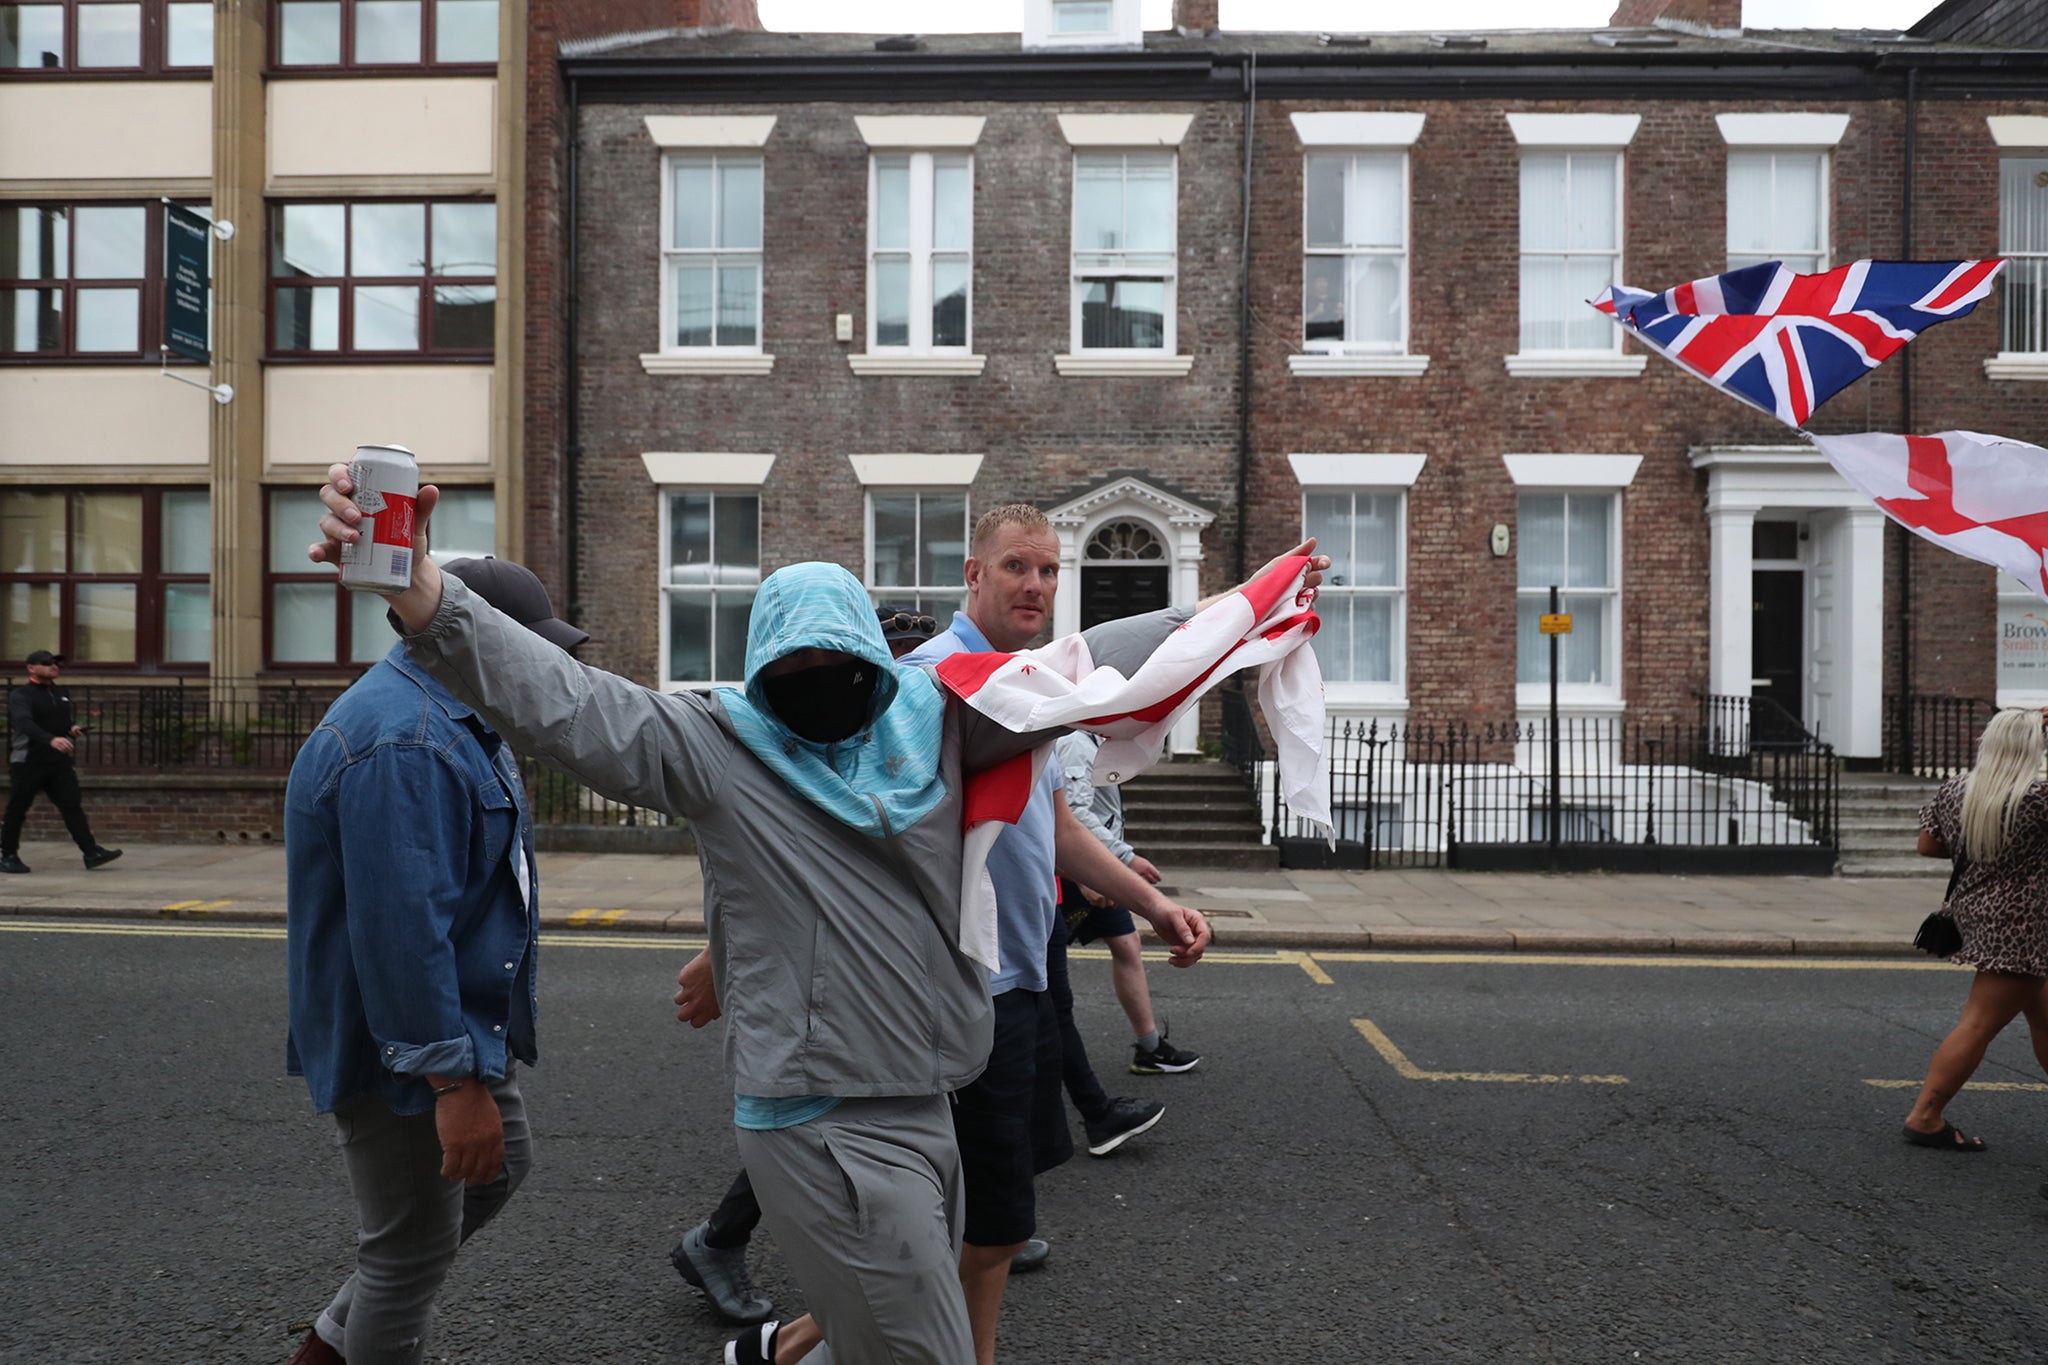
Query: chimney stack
[
  {"x": 1196, "y": 16},
  {"x": 1695, "y": 16}
]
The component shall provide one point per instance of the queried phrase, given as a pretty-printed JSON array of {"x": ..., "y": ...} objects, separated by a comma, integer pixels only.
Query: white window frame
[
  {"x": 1568, "y": 135},
  {"x": 1372, "y": 475},
  {"x": 2017, "y": 262},
  {"x": 1822, "y": 251},
  {"x": 1082, "y": 275},
  {"x": 1534, "y": 695},
  {"x": 1523, "y": 253},
  {"x": 1373, "y": 692},
  {"x": 1400, "y": 254},
  {"x": 1041, "y": 28},
  {"x": 919, "y": 595},
  {"x": 664, "y": 590},
  {"x": 756, "y": 352},
  {"x": 923, "y": 166}
]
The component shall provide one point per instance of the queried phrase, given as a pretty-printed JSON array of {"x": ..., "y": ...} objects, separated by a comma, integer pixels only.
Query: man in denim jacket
[{"x": 411, "y": 933}]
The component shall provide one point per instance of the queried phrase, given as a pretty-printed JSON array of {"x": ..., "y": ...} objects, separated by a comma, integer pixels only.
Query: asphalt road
[{"x": 1692, "y": 1168}]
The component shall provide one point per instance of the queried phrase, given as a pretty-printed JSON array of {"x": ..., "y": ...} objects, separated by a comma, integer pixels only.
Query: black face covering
[{"x": 825, "y": 704}]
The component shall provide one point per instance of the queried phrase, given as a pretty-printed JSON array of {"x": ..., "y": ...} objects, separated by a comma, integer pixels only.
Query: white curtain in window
[{"x": 1570, "y": 226}]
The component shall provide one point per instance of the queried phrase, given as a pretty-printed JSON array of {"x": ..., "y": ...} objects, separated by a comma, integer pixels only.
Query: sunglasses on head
[{"x": 903, "y": 620}]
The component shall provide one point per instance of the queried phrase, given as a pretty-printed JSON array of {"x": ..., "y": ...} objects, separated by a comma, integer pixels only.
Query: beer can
[{"x": 387, "y": 490}]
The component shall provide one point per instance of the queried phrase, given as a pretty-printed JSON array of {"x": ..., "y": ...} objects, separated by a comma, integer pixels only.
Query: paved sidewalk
[{"x": 1496, "y": 911}]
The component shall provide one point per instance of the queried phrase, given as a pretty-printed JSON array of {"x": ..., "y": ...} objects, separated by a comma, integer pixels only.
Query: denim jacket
[{"x": 410, "y": 941}]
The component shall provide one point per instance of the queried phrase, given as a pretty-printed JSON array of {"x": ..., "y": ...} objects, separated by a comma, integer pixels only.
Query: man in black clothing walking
[{"x": 40, "y": 759}]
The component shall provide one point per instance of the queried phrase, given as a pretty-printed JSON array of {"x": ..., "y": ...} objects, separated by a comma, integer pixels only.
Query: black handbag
[{"x": 1939, "y": 936}]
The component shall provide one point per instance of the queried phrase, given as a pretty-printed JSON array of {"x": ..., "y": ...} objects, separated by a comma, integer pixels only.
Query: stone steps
[{"x": 1195, "y": 815}]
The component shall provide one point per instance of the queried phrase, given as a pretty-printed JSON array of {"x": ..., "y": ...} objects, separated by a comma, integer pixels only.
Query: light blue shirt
[{"x": 1021, "y": 863}]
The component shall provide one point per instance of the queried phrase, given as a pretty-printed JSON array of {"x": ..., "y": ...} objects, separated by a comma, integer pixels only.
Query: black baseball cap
[
  {"x": 44, "y": 656},
  {"x": 513, "y": 589},
  {"x": 905, "y": 623}
]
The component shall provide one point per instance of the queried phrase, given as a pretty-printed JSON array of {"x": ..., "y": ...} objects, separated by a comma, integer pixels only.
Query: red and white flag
[
  {"x": 1263, "y": 625},
  {"x": 1983, "y": 497}
]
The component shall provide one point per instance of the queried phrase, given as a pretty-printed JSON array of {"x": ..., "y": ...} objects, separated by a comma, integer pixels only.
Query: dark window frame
[
  {"x": 275, "y": 65},
  {"x": 346, "y": 284},
  {"x": 155, "y": 54},
  {"x": 149, "y": 583},
  {"x": 149, "y": 315}
]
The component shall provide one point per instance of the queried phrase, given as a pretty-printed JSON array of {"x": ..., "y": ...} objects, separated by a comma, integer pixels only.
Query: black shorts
[
  {"x": 1011, "y": 1121},
  {"x": 1086, "y": 923}
]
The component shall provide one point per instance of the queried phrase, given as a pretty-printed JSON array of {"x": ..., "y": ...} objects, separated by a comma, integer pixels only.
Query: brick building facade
[{"x": 798, "y": 334}]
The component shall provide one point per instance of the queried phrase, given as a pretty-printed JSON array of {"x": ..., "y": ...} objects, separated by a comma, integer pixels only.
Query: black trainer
[
  {"x": 10, "y": 863},
  {"x": 1165, "y": 1059},
  {"x": 753, "y": 1348},
  {"x": 1125, "y": 1120},
  {"x": 100, "y": 857}
]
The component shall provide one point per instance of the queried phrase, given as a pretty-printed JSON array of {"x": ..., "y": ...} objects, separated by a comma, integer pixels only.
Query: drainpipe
[
  {"x": 572, "y": 441},
  {"x": 1249, "y": 73},
  {"x": 1905, "y": 756}
]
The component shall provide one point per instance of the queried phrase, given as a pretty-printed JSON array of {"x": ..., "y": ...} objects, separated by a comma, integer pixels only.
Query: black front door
[
  {"x": 1777, "y": 653},
  {"x": 1111, "y": 591}
]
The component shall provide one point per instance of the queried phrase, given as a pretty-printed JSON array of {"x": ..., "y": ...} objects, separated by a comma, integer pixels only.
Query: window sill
[
  {"x": 749, "y": 362},
  {"x": 1089, "y": 366},
  {"x": 884, "y": 363},
  {"x": 1364, "y": 705},
  {"x": 2020, "y": 365},
  {"x": 1532, "y": 704},
  {"x": 1567, "y": 366},
  {"x": 1317, "y": 364}
]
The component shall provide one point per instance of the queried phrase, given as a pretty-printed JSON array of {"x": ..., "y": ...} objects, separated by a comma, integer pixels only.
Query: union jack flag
[{"x": 1784, "y": 342}]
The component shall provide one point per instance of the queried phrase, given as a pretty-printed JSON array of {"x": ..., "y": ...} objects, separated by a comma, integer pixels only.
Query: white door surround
[
  {"x": 1176, "y": 522},
  {"x": 1845, "y": 636}
]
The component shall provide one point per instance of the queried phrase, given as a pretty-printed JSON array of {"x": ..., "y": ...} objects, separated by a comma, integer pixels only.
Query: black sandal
[{"x": 1947, "y": 1138}]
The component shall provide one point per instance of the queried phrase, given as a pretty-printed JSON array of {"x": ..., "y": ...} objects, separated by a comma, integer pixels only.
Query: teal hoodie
[{"x": 885, "y": 778}]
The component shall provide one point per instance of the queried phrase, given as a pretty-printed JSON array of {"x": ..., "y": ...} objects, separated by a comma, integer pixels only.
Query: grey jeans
[
  {"x": 866, "y": 1204},
  {"x": 410, "y": 1220}
]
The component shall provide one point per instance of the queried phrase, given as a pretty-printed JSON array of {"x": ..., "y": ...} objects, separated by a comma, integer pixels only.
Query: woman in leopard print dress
[{"x": 1997, "y": 815}]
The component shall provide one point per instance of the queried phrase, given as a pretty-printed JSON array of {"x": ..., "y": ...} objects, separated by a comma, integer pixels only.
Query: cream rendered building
[{"x": 369, "y": 156}]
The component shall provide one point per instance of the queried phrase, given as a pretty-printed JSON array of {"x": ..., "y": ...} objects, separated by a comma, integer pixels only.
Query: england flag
[
  {"x": 1984, "y": 497},
  {"x": 1266, "y": 625}
]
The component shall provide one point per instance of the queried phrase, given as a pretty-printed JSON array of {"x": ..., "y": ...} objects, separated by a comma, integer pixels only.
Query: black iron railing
[
  {"x": 180, "y": 727},
  {"x": 1622, "y": 794},
  {"x": 1933, "y": 736},
  {"x": 559, "y": 799},
  {"x": 1242, "y": 747}
]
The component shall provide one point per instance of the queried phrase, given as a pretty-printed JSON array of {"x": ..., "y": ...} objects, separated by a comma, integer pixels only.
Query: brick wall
[
  {"x": 550, "y": 23},
  {"x": 1045, "y": 436},
  {"x": 1042, "y": 435},
  {"x": 228, "y": 808}
]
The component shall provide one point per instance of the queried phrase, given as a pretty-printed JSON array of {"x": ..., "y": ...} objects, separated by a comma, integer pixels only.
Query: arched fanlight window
[{"x": 1124, "y": 541}]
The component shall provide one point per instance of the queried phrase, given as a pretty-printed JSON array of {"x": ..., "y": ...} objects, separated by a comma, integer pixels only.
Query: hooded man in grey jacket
[{"x": 826, "y": 798}]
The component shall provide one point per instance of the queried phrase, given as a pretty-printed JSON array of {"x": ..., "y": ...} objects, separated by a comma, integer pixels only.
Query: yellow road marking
[
  {"x": 610, "y": 917},
  {"x": 181, "y": 905},
  {"x": 582, "y": 916},
  {"x": 1307, "y": 962},
  {"x": 1787, "y": 963},
  {"x": 1398, "y": 1060},
  {"x": 1999, "y": 1087}
]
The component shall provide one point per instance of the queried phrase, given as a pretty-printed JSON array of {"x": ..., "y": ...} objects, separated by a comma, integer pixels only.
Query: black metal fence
[
  {"x": 180, "y": 727},
  {"x": 1622, "y": 795},
  {"x": 1933, "y": 736}
]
